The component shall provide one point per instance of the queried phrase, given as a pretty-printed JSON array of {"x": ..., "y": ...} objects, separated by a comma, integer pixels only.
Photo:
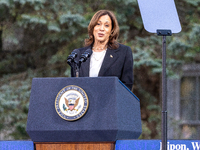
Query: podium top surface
[{"x": 86, "y": 80}]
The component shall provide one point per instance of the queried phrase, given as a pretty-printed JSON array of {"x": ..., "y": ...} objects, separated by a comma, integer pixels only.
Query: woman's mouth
[{"x": 100, "y": 34}]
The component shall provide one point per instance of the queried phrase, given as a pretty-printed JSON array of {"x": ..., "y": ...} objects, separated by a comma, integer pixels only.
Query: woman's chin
[{"x": 102, "y": 40}]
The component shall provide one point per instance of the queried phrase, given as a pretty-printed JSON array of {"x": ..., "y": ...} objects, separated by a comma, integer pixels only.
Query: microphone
[
  {"x": 72, "y": 56},
  {"x": 85, "y": 55}
]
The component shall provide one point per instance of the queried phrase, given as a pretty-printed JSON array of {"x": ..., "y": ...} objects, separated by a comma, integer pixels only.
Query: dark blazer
[{"x": 117, "y": 62}]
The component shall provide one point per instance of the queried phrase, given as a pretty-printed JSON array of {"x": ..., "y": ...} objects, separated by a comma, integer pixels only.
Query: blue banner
[
  {"x": 120, "y": 145},
  {"x": 16, "y": 145},
  {"x": 157, "y": 145}
]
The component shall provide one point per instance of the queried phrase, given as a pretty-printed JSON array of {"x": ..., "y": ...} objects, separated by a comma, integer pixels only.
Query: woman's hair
[{"x": 112, "y": 43}]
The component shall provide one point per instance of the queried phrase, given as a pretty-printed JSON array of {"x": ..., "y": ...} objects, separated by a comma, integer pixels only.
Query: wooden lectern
[{"x": 113, "y": 114}]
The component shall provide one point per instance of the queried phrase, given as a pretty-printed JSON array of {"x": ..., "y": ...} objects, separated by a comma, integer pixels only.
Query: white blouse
[{"x": 96, "y": 61}]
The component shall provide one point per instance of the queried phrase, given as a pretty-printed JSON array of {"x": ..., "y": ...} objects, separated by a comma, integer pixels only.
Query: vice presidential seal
[{"x": 71, "y": 103}]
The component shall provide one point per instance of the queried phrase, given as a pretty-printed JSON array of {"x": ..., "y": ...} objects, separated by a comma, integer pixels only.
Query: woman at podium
[{"x": 107, "y": 56}]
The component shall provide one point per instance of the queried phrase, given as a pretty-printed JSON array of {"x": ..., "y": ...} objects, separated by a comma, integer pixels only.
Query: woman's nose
[{"x": 101, "y": 27}]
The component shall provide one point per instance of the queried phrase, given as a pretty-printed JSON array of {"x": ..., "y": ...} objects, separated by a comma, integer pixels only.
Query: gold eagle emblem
[{"x": 71, "y": 105}]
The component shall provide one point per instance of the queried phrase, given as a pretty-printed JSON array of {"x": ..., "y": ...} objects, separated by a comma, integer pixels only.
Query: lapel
[{"x": 110, "y": 57}]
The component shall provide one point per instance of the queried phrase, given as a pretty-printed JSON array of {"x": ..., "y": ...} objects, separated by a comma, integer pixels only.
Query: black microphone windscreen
[
  {"x": 85, "y": 55},
  {"x": 72, "y": 56}
]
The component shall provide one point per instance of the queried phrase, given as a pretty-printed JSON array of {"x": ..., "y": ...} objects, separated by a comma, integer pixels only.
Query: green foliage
[
  {"x": 14, "y": 102},
  {"x": 194, "y": 2},
  {"x": 31, "y": 19},
  {"x": 53, "y": 28}
]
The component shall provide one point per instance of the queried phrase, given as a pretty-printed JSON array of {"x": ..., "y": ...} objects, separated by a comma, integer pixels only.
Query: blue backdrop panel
[
  {"x": 16, "y": 145},
  {"x": 157, "y": 145}
]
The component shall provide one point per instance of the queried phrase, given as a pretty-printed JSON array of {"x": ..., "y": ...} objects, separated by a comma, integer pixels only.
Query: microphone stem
[
  {"x": 77, "y": 74},
  {"x": 77, "y": 70}
]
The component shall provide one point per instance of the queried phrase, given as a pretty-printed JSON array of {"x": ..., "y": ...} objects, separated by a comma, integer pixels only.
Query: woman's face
[{"x": 103, "y": 29}]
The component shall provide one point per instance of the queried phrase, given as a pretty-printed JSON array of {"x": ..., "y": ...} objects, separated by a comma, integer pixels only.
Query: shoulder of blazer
[
  {"x": 121, "y": 46},
  {"x": 122, "y": 49}
]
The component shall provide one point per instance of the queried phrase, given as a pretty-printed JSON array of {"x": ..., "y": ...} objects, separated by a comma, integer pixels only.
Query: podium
[{"x": 113, "y": 113}]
